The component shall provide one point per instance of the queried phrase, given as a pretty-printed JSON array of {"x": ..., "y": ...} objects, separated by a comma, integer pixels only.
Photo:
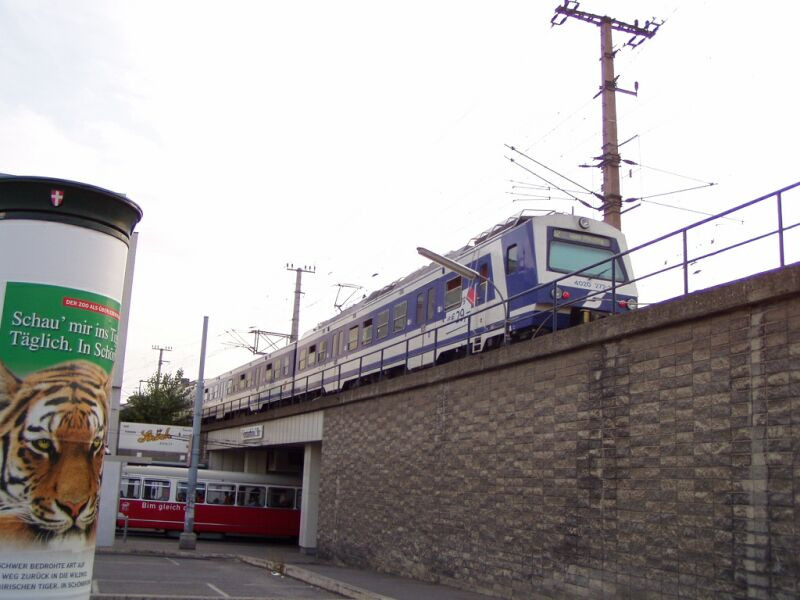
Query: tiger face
[{"x": 52, "y": 432}]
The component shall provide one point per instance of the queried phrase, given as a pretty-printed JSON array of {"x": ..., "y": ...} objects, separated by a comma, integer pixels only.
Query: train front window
[{"x": 572, "y": 250}]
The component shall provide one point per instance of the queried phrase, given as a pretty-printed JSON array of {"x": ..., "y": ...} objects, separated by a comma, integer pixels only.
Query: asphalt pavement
[{"x": 152, "y": 567}]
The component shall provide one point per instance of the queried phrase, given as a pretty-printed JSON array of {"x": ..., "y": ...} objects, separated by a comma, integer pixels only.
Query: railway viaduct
[{"x": 650, "y": 455}]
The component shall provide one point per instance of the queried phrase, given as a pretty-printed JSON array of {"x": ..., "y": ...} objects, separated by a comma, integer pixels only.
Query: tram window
[
  {"x": 129, "y": 488},
  {"x": 279, "y": 497},
  {"x": 155, "y": 489},
  {"x": 400, "y": 316},
  {"x": 383, "y": 324},
  {"x": 431, "y": 303},
  {"x": 512, "y": 259},
  {"x": 251, "y": 495},
  {"x": 298, "y": 504},
  {"x": 352, "y": 338},
  {"x": 366, "y": 332},
  {"x": 452, "y": 297},
  {"x": 420, "y": 309},
  {"x": 221, "y": 493},
  {"x": 312, "y": 355},
  {"x": 199, "y": 492},
  {"x": 323, "y": 350},
  {"x": 303, "y": 358}
]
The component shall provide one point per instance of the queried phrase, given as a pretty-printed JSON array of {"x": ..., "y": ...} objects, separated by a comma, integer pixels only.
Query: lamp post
[{"x": 465, "y": 271}]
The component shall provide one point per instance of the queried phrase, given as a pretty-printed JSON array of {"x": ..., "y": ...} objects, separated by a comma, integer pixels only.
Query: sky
[{"x": 342, "y": 135}]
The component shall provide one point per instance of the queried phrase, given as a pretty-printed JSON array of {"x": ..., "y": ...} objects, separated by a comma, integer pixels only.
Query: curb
[{"x": 299, "y": 573}]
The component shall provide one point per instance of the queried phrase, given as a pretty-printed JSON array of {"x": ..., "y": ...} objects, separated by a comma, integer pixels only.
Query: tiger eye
[{"x": 43, "y": 445}]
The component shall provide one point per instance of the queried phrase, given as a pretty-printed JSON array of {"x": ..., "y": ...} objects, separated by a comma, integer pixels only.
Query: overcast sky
[{"x": 345, "y": 134}]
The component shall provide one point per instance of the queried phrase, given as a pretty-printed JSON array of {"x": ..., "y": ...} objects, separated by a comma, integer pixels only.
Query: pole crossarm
[{"x": 639, "y": 34}]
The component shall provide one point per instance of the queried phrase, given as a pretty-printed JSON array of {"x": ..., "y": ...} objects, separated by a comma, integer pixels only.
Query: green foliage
[{"x": 166, "y": 400}]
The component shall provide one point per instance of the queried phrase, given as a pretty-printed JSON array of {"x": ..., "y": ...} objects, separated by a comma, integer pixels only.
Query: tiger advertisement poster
[{"x": 57, "y": 349}]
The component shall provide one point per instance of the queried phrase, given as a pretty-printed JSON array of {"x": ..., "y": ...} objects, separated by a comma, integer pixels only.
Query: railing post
[
  {"x": 339, "y": 378},
  {"x": 405, "y": 364},
  {"x": 685, "y": 264},
  {"x": 780, "y": 230},
  {"x": 555, "y": 307},
  {"x": 380, "y": 370},
  {"x": 613, "y": 286}
]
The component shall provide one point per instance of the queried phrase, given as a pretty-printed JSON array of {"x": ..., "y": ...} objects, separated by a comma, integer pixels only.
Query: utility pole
[
  {"x": 610, "y": 159},
  {"x": 161, "y": 350},
  {"x": 297, "y": 286}
]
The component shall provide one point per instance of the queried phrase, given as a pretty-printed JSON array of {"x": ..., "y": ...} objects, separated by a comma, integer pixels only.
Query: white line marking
[
  {"x": 173, "y": 561},
  {"x": 216, "y": 589},
  {"x": 95, "y": 587}
]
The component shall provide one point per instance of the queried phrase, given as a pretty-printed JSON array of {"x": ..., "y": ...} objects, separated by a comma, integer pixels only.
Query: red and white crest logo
[{"x": 56, "y": 197}]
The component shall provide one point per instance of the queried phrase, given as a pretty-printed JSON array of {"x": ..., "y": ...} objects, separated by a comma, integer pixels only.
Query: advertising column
[{"x": 63, "y": 247}]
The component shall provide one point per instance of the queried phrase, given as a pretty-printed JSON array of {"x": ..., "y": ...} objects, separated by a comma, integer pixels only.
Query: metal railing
[{"x": 680, "y": 260}]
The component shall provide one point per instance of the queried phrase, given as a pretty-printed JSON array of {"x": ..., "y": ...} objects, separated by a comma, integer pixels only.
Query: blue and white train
[{"x": 554, "y": 271}]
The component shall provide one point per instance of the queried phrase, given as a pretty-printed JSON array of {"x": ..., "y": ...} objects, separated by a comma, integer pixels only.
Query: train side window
[
  {"x": 221, "y": 493},
  {"x": 452, "y": 297},
  {"x": 270, "y": 374},
  {"x": 366, "y": 332},
  {"x": 285, "y": 366},
  {"x": 420, "y": 308},
  {"x": 383, "y": 324},
  {"x": 483, "y": 286},
  {"x": 352, "y": 338},
  {"x": 400, "y": 316},
  {"x": 323, "y": 350},
  {"x": 431, "y": 303},
  {"x": 512, "y": 259},
  {"x": 303, "y": 358},
  {"x": 251, "y": 495},
  {"x": 156, "y": 489},
  {"x": 280, "y": 497},
  {"x": 312, "y": 355},
  {"x": 337, "y": 337},
  {"x": 199, "y": 492},
  {"x": 129, "y": 488}
]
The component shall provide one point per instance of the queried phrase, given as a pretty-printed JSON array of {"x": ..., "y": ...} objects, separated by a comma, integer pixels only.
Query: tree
[{"x": 166, "y": 400}]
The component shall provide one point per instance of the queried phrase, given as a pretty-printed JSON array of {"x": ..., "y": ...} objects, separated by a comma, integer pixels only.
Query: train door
[{"x": 519, "y": 265}]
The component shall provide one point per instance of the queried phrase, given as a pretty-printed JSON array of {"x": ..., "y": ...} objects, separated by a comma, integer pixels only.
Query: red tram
[{"x": 225, "y": 502}]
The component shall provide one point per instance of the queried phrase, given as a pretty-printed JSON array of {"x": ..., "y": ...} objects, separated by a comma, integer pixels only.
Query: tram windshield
[{"x": 572, "y": 250}]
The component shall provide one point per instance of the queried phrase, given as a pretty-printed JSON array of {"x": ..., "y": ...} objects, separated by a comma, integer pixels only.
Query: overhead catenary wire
[
  {"x": 575, "y": 198},
  {"x": 544, "y": 166}
]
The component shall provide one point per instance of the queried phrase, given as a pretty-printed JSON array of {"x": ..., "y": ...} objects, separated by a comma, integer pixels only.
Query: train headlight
[
  {"x": 560, "y": 294},
  {"x": 583, "y": 223},
  {"x": 630, "y": 304}
]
